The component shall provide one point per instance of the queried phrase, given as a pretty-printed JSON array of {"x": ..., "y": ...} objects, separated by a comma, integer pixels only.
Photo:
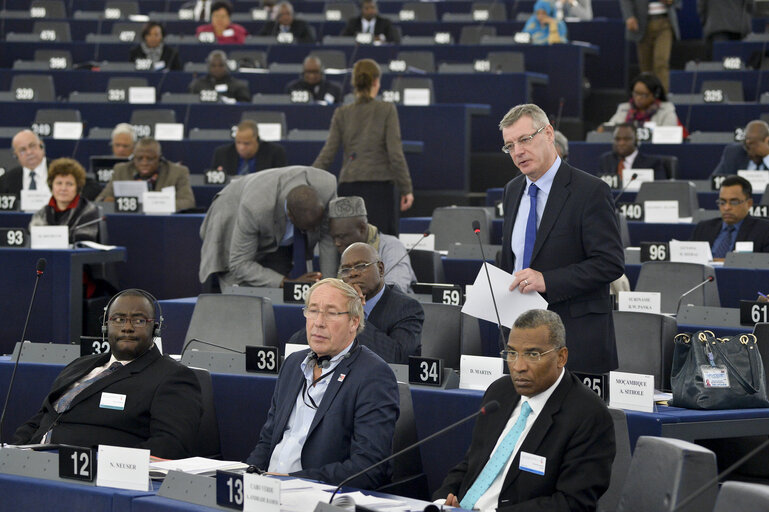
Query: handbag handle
[{"x": 745, "y": 384}]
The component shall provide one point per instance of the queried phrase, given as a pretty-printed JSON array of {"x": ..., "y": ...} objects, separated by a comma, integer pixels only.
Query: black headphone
[
  {"x": 324, "y": 362},
  {"x": 158, "y": 311}
]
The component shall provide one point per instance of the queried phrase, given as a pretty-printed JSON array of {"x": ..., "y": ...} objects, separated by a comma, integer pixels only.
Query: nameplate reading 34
[
  {"x": 426, "y": 371},
  {"x": 448, "y": 295},
  {"x": 229, "y": 490},
  {"x": 295, "y": 292},
  {"x": 14, "y": 237},
  {"x": 262, "y": 359},
  {"x": 752, "y": 312},
  {"x": 77, "y": 463}
]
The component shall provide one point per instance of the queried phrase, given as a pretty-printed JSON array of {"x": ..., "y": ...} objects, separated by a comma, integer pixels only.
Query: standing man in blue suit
[
  {"x": 335, "y": 405},
  {"x": 752, "y": 154},
  {"x": 561, "y": 238}
]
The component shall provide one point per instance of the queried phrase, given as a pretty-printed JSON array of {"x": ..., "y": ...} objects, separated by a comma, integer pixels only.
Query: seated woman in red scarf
[
  {"x": 648, "y": 104},
  {"x": 221, "y": 25}
]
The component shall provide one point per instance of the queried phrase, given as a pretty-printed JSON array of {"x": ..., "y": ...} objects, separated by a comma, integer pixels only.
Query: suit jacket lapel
[
  {"x": 512, "y": 202},
  {"x": 559, "y": 194},
  {"x": 381, "y": 307}
]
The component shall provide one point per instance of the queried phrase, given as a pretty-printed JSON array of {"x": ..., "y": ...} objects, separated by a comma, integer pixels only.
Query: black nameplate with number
[
  {"x": 713, "y": 96},
  {"x": 631, "y": 211},
  {"x": 448, "y": 295},
  {"x": 127, "y": 204},
  {"x": 715, "y": 182},
  {"x": 655, "y": 251},
  {"x": 229, "y": 490},
  {"x": 215, "y": 177},
  {"x": 425, "y": 371},
  {"x": 14, "y": 237},
  {"x": 93, "y": 345},
  {"x": 295, "y": 292},
  {"x": 499, "y": 209},
  {"x": 262, "y": 359},
  {"x": 596, "y": 382},
  {"x": 612, "y": 180},
  {"x": 9, "y": 202},
  {"x": 753, "y": 312},
  {"x": 77, "y": 463},
  {"x": 759, "y": 210},
  {"x": 104, "y": 175}
]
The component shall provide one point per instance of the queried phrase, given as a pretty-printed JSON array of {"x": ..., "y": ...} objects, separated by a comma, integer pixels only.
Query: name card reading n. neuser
[
  {"x": 642, "y": 175},
  {"x": 124, "y": 468},
  {"x": 632, "y": 391},
  {"x": 261, "y": 493},
  {"x": 159, "y": 202},
  {"x": 478, "y": 372},
  {"x": 640, "y": 302}
]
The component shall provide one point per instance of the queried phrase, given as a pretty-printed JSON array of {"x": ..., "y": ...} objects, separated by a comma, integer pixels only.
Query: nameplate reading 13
[
  {"x": 262, "y": 359},
  {"x": 295, "y": 292},
  {"x": 448, "y": 295},
  {"x": 426, "y": 371},
  {"x": 229, "y": 490},
  {"x": 77, "y": 463},
  {"x": 753, "y": 312}
]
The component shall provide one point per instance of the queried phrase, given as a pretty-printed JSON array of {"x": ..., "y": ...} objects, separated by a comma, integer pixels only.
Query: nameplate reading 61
[{"x": 753, "y": 312}]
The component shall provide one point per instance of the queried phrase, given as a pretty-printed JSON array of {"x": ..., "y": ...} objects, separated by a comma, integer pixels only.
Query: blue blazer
[
  {"x": 353, "y": 427},
  {"x": 732, "y": 160}
]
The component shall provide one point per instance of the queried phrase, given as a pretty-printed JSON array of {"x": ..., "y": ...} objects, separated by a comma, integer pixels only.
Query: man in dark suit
[
  {"x": 550, "y": 446},
  {"x": 752, "y": 154},
  {"x": 248, "y": 153},
  {"x": 133, "y": 396},
  {"x": 219, "y": 79},
  {"x": 314, "y": 82},
  {"x": 735, "y": 224},
  {"x": 568, "y": 246},
  {"x": 32, "y": 171},
  {"x": 335, "y": 405},
  {"x": 393, "y": 319},
  {"x": 284, "y": 21},
  {"x": 625, "y": 155},
  {"x": 370, "y": 22}
]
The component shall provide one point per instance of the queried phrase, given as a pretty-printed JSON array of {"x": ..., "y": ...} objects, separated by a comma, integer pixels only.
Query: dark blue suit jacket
[
  {"x": 610, "y": 162},
  {"x": 752, "y": 230},
  {"x": 579, "y": 252},
  {"x": 733, "y": 159},
  {"x": 353, "y": 427}
]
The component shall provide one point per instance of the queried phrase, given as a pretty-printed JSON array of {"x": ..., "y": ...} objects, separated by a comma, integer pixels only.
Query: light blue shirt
[
  {"x": 288, "y": 236},
  {"x": 544, "y": 184},
  {"x": 753, "y": 166},
  {"x": 372, "y": 302},
  {"x": 287, "y": 456}
]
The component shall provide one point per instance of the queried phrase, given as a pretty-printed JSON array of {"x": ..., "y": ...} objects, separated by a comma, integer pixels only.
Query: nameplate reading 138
[
  {"x": 14, "y": 237},
  {"x": 76, "y": 463},
  {"x": 295, "y": 292},
  {"x": 597, "y": 382},
  {"x": 654, "y": 251},
  {"x": 448, "y": 295},
  {"x": 127, "y": 204},
  {"x": 753, "y": 312},
  {"x": 262, "y": 359},
  {"x": 426, "y": 371},
  {"x": 229, "y": 490}
]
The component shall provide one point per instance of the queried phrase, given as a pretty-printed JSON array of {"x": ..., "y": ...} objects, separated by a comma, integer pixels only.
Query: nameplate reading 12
[
  {"x": 753, "y": 312},
  {"x": 426, "y": 371},
  {"x": 77, "y": 463}
]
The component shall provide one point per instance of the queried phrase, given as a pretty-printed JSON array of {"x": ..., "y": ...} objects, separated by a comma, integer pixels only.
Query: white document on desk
[{"x": 478, "y": 302}]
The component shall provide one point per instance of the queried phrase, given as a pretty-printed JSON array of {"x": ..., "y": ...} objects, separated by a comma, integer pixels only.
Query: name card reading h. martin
[{"x": 632, "y": 391}]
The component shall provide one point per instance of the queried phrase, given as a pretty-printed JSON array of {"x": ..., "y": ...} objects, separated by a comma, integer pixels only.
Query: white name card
[
  {"x": 409, "y": 240},
  {"x": 478, "y": 372},
  {"x": 286, "y": 37},
  {"x": 758, "y": 179},
  {"x": 258, "y": 14},
  {"x": 522, "y": 37},
  {"x": 169, "y": 131},
  {"x": 690, "y": 252},
  {"x": 364, "y": 38},
  {"x": 290, "y": 348},
  {"x": 639, "y": 302},
  {"x": 261, "y": 493},
  {"x": 743, "y": 246},
  {"x": 270, "y": 131},
  {"x": 33, "y": 200},
  {"x": 333, "y": 15},
  {"x": 67, "y": 130},
  {"x": 642, "y": 175},
  {"x": 660, "y": 211},
  {"x": 668, "y": 135},
  {"x": 141, "y": 95},
  {"x": 49, "y": 237},
  {"x": 632, "y": 391},
  {"x": 416, "y": 97},
  {"x": 159, "y": 202},
  {"x": 124, "y": 468}
]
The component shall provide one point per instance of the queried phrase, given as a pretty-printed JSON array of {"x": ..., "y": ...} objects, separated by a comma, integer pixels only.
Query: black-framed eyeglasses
[
  {"x": 523, "y": 141},
  {"x": 732, "y": 202},
  {"x": 360, "y": 267},
  {"x": 138, "y": 321},
  {"x": 313, "y": 313},
  {"x": 531, "y": 356}
]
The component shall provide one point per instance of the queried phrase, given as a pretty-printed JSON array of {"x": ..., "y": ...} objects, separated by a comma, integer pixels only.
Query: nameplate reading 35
[{"x": 597, "y": 382}]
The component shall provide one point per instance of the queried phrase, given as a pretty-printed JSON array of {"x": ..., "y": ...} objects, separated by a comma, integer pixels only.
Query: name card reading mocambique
[{"x": 632, "y": 391}]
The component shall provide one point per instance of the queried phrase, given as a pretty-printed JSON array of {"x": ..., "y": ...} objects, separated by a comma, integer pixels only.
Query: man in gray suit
[{"x": 261, "y": 229}]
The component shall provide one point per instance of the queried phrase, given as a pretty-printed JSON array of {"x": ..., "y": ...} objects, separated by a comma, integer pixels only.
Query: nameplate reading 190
[
  {"x": 262, "y": 359},
  {"x": 425, "y": 371},
  {"x": 448, "y": 295},
  {"x": 77, "y": 463},
  {"x": 654, "y": 251},
  {"x": 295, "y": 292},
  {"x": 229, "y": 490},
  {"x": 14, "y": 237},
  {"x": 215, "y": 177},
  {"x": 8, "y": 202},
  {"x": 127, "y": 204},
  {"x": 611, "y": 179},
  {"x": 753, "y": 312},
  {"x": 597, "y": 382},
  {"x": 93, "y": 345}
]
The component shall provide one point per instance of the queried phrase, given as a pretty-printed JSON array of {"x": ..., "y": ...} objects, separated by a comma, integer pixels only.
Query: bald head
[
  {"x": 361, "y": 268},
  {"x": 28, "y": 148},
  {"x": 304, "y": 208}
]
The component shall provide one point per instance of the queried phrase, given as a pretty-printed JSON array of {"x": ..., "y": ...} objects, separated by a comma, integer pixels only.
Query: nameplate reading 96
[
  {"x": 76, "y": 463},
  {"x": 597, "y": 382},
  {"x": 448, "y": 295},
  {"x": 127, "y": 204},
  {"x": 8, "y": 202},
  {"x": 295, "y": 292},
  {"x": 654, "y": 251},
  {"x": 215, "y": 177},
  {"x": 631, "y": 211},
  {"x": 753, "y": 312},
  {"x": 426, "y": 371},
  {"x": 13, "y": 237},
  {"x": 93, "y": 345},
  {"x": 229, "y": 490},
  {"x": 262, "y": 359}
]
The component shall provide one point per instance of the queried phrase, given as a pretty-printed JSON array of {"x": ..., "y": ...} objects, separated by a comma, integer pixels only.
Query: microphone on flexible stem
[
  {"x": 477, "y": 230},
  {"x": 488, "y": 408},
  {"x": 39, "y": 270},
  {"x": 228, "y": 349},
  {"x": 424, "y": 235},
  {"x": 622, "y": 191},
  {"x": 89, "y": 223},
  {"x": 703, "y": 283}
]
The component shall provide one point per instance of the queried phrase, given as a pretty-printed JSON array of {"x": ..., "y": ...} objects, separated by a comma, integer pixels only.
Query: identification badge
[
  {"x": 532, "y": 463},
  {"x": 112, "y": 401},
  {"x": 714, "y": 376}
]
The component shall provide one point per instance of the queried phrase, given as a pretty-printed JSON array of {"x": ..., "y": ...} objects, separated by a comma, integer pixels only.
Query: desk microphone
[
  {"x": 228, "y": 349},
  {"x": 86, "y": 224},
  {"x": 703, "y": 283},
  {"x": 39, "y": 270},
  {"x": 488, "y": 408},
  {"x": 477, "y": 230},
  {"x": 622, "y": 191},
  {"x": 424, "y": 235}
]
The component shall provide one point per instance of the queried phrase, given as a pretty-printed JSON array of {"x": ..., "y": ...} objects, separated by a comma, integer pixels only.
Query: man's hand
[
  {"x": 309, "y": 276},
  {"x": 632, "y": 24},
  {"x": 452, "y": 501},
  {"x": 528, "y": 280},
  {"x": 406, "y": 202},
  {"x": 360, "y": 294}
]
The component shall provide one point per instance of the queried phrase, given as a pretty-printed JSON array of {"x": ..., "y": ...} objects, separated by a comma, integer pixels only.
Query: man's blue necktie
[
  {"x": 724, "y": 244},
  {"x": 497, "y": 461},
  {"x": 531, "y": 227}
]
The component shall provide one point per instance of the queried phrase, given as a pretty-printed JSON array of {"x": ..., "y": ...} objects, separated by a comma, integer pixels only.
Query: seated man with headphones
[
  {"x": 133, "y": 396},
  {"x": 335, "y": 405},
  {"x": 147, "y": 163}
]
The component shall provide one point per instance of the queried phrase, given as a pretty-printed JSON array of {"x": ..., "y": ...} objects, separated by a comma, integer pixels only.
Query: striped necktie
[{"x": 65, "y": 401}]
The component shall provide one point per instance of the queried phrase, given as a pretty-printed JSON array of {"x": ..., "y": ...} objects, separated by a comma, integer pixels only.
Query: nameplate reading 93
[
  {"x": 8, "y": 202},
  {"x": 448, "y": 295},
  {"x": 127, "y": 204},
  {"x": 262, "y": 359},
  {"x": 215, "y": 177},
  {"x": 631, "y": 211},
  {"x": 229, "y": 490},
  {"x": 596, "y": 382},
  {"x": 14, "y": 237},
  {"x": 295, "y": 292},
  {"x": 753, "y": 312},
  {"x": 93, "y": 345},
  {"x": 427, "y": 371},
  {"x": 77, "y": 463},
  {"x": 654, "y": 251}
]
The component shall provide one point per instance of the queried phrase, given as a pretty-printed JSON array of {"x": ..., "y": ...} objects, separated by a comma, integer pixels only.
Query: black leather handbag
[{"x": 717, "y": 373}]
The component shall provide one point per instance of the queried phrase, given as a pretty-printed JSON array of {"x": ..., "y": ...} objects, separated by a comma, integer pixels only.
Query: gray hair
[
  {"x": 534, "y": 318},
  {"x": 276, "y": 8},
  {"x": 763, "y": 124},
  {"x": 354, "y": 305},
  {"x": 216, "y": 53},
  {"x": 561, "y": 144},
  {"x": 123, "y": 128},
  {"x": 527, "y": 109}
]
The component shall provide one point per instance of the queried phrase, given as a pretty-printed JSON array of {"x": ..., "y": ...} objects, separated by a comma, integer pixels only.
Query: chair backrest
[
  {"x": 732, "y": 89},
  {"x": 422, "y": 11},
  {"x": 103, "y": 236},
  {"x": 125, "y": 82},
  {"x": 619, "y": 468},
  {"x": 507, "y": 62},
  {"x": 127, "y": 31},
  {"x": 47, "y": 55},
  {"x": 600, "y": 137},
  {"x": 701, "y": 214},
  {"x": 126, "y": 7},
  {"x": 346, "y": 9},
  {"x": 765, "y": 196},
  {"x": 267, "y": 117},
  {"x": 209, "y": 444},
  {"x": 624, "y": 230},
  {"x": 7, "y": 160},
  {"x": 472, "y": 34},
  {"x": 682, "y": 191},
  {"x": 423, "y": 61},
  {"x": 334, "y": 59},
  {"x": 212, "y": 322},
  {"x": 58, "y": 31},
  {"x": 663, "y": 472},
  {"x": 401, "y": 83},
  {"x": 448, "y": 333},
  {"x": 249, "y": 58},
  {"x": 144, "y": 120},
  {"x": 670, "y": 164},
  {"x": 742, "y": 496},
  {"x": 700, "y": 137},
  {"x": 428, "y": 266},
  {"x": 451, "y": 224},
  {"x": 645, "y": 344},
  {"x": 41, "y": 86},
  {"x": 51, "y": 115},
  {"x": 495, "y": 11},
  {"x": 672, "y": 279},
  {"x": 54, "y": 9}
]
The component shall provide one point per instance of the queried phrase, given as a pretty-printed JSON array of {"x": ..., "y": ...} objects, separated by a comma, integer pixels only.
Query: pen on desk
[{"x": 762, "y": 295}]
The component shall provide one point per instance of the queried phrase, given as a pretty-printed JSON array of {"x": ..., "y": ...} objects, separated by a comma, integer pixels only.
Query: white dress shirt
[{"x": 41, "y": 177}]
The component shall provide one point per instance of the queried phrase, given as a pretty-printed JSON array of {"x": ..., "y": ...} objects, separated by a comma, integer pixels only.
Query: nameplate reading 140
[
  {"x": 77, "y": 463},
  {"x": 753, "y": 312},
  {"x": 14, "y": 237},
  {"x": 425, "y": 371},
  {"x": 229, "y": 490},
  {"x": 631, "y": 211},
  {"x": 654, "y": 251},
  {"x": 295, "y": 292},
  {"x": 448, "y": 295},
  {"x": 262, "y": 359}
]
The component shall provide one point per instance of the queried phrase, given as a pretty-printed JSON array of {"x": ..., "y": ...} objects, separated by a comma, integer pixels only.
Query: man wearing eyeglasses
[
  {"x": 32, "y": 171},
  {"x": 550, "y": 446},
  {"x": 561, "y": 238},
  {"x": 335, "y": 405},
  {"x": 133, "y": 396},
  {"x": 752, "y": 154},
  {"x": 735, "y": 223}
]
